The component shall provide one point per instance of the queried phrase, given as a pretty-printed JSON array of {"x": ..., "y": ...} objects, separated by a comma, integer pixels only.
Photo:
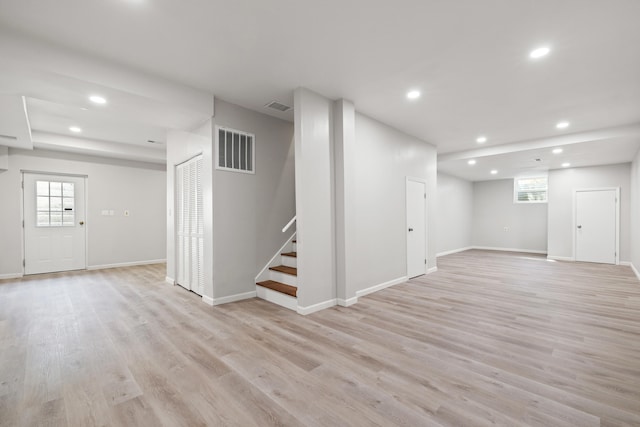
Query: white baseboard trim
[
  {"x": 316, "y": 307},
  {"x": 11, "y": 276},
  {"x": 529, "y": 251},
  {"x": 432, "y": 270},
  {"x": 560, "y": 258},
  {"x": 454, "y": 251},
  {"x": 625, "y": 263},
  {"x": 635, "y": 270},
  {"x": 347, "y": 302},
  {"x": 169, "y": 280},
  {"x": 126, "y": 264},
  {"x": 381, "y": 286},
  {"x": 230, "y": 298},
  {"x": 207, "y": 300}
]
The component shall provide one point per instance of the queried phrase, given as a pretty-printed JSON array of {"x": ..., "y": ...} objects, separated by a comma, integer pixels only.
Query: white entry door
[
  {"x": 596, "y": 225},
  {"x": 189, "y": 226},
  {"x": 54, "y": 223},
  {"x": 416, "y": 227}
]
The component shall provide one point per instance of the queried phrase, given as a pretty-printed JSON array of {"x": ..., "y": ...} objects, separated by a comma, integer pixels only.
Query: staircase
[{"x": 281, "y": 286}]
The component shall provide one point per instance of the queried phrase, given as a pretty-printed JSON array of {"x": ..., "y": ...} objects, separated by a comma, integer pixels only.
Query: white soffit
[{"x": 15, "y": 130}]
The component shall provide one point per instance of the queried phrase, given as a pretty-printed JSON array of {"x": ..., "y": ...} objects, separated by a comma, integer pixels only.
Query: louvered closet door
[{"x": 189, "y": 225}]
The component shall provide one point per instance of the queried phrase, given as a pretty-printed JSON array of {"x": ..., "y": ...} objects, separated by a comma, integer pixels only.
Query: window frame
[
  {"x": 515, "y": 190},
  {"x": 217, "y": 150}
]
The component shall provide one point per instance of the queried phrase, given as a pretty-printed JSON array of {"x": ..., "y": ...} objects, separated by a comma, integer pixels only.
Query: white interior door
[
  {"x": 416, "y": 228},
  {"x": 189, "y": 225},
  {"x": 596, "y": 228},
  {"x": 54, "y": 223}
]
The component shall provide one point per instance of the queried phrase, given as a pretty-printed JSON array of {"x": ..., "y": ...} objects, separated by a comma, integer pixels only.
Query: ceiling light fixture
[
  {"x": 562, "y": 125},
  {"x": 413, "y": 94},
  {"x": 557, "y": 150},
  {"x": 566, "y": 165},
  {"x": 481, "y": 139},
  {"x": 494, "y": 172},
  {"x": 75, "y": 129},
  {"x": 96, "y": 99},
  {"x": 539, "y": 52},
  {"x": 471, "y": 162}
]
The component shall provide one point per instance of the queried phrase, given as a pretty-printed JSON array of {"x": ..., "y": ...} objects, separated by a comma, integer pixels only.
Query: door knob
[
  {"x": 81, "y": 222},
  {"x": 411, "y": 229}
]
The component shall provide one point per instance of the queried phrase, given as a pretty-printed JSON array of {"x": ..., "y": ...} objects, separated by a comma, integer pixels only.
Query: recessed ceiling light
[
  {"x": 75, "y": 129},
  {"x": 413, "y": 94},
  {"x": 557, "y": 150},
  {"x": 96, "y": 99},
  {"x": 481, "y": 139},
  {"x": 566, "y": 165},
  {"x": 539, "y": 52},
  {"x": 494, "y": 172},
  {"x": 562, "y": 125},
  {"x": 471, "y": 162}
]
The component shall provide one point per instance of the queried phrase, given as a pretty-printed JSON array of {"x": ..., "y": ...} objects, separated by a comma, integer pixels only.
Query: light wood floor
[{"x": 490, "y": 339}]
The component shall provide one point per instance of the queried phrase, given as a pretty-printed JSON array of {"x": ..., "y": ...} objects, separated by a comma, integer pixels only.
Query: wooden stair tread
[
  {"x": 294, "y": 241},
  {"x": 279, "y": 287},
  {"x": 286, "y": 270},
  {"x": 291, "y": 254}
]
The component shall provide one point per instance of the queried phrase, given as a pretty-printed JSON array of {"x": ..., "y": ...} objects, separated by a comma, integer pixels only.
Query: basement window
[
  {"x": 235, "y": 150},
  {"x": 530, "y": 190}
]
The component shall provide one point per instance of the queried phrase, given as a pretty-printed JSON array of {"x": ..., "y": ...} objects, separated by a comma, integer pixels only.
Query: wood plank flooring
[{"x": 490, "y": 339}]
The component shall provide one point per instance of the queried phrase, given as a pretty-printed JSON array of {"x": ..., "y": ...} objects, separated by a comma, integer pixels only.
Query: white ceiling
[{"x": 469, "y": 58}]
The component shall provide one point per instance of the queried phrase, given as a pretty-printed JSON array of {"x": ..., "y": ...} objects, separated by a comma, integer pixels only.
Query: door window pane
[{"x": 55, "y": 204}]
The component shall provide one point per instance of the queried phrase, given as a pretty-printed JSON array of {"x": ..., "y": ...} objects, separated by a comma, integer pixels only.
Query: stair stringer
[{"x": 275, "y": 261}]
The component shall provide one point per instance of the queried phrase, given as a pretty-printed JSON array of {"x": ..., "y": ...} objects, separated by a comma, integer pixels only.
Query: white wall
[
  {"x": 635, "y": 214},
  {"x": 385, "y": 157},
  {"x": 494, "y": 209},
  {"x": 249, "y": 210},
  {"x": 314, "y": 198},
  {"x": 563, "y": 182},
  {"x": 455, "y": 213},
  {"x": 111, "y": 185}
]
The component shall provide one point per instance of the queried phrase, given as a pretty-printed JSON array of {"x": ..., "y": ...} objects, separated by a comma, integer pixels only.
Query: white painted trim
[
  {"x": 170, "y": 280},
  {"x": 275, "y": 297},
  {"x": 347, "y": 302},
  {"x": 272, "y": 262},
  {"x": 625, "y": 263},
  {"x": 432, "y": 270},
  {"x": 11, "y": 276},
  {"x": 126, "y": 264},
  {"x": 453, "y": 251},
  {"x": 380, "y": 287},
  {"x": 530, "y": 251},
  {"x": 575, "y": 215},
  {"x": 635, "y": 270},
  {"x": 228, "y": 299},
  {"x": 316, "y": 307},
  {"x": 560, "y": 258}
]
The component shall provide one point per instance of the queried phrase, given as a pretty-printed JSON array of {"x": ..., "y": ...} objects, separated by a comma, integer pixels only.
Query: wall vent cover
[{"x": 278, "y": 106}]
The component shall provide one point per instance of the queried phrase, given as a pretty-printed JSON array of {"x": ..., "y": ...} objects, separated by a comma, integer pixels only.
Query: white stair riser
[
  {"x": 289, "y": 261},
  {"x": 287, "y": 279},
  {"x": 295, "y": 247},
  {"x": 277, "y": 298}
]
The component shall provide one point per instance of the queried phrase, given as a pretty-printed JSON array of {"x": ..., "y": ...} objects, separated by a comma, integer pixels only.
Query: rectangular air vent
[
  {"x": 278, "y": 106},
  {"x": 235, "y": 150}
]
